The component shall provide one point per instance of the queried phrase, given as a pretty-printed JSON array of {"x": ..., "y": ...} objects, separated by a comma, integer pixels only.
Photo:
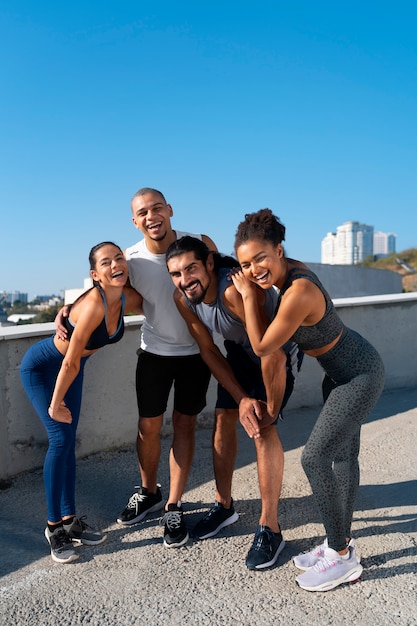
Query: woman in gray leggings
[{"x": 353, "y": 382}]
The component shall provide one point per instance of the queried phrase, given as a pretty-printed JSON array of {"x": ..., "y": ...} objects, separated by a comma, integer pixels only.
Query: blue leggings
[
  {"x": 38, "y": 371},
  {"x": 352, "y": 385}
]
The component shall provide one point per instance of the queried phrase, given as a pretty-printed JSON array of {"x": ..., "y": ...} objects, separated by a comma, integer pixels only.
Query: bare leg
[
  {"x": 181, "y": 454},
  {"x": 270, "y": 470},
  {"x": 224, "y": 453},
  {"x": 148, "y": 447}
]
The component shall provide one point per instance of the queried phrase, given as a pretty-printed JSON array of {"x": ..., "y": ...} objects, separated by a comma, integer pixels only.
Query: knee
[
  {"x": 268, "y": 436},
  {"x": 60, "y": 440},
  {"x": 149, "y": 426},
  {"x": 316, "y": 459},
  {"x": 225, "y": 421},
  {"x": 311, "y": 460},
  {"x": 183, "y": 423}
]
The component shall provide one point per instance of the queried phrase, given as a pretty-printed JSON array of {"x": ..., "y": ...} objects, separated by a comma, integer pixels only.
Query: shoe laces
[
  {"x": 262, "y": 541},
  {"x": 212, "y": 511},
  {"x": 135, "y": 500},
  {"x": 61, "y": 539},
  {"x": 172, "y": 519},
  {"x": 325, "y": 563}
]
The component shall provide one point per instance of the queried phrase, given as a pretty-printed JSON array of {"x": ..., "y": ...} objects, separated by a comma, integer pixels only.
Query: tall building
[
  {"x": 350, "y": 244},
  {"x": 384, "y": 243},
  {"x": 13, "y": 296},
  {"x": 70, "y": 295}
]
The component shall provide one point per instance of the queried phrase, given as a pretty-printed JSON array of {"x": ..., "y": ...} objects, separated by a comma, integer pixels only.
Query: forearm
[
  {"x": 274, "y": 374},
  {"x": 223, "y": 373},
  {"x": 66, "y": 377},
  {"x": 255, "y": 326}
]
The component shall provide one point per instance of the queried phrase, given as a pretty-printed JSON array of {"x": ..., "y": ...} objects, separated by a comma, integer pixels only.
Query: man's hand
[
  {"x": 254, "y": 416},
  {"x": 61, "y": 331},
  {"x": 267, "y": 418}
]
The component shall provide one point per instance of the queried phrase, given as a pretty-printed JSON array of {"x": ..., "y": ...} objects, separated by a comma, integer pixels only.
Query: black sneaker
[
  {"x": 175, "y": 531},
  {"x": 140, "y": 504},
  {"x": 80, "y": 532},
  {"x": 62, "y": 550},
  {"x": 214, "y": 520},
  {"x": 265, "y": 548}
]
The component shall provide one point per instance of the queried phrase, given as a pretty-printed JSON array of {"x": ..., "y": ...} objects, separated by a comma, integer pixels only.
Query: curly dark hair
[{"x": 262, "y": 226}]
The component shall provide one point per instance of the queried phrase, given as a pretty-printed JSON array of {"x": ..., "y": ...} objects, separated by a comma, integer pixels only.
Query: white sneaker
[
  {"x": 308, "y": 559},
  {"x": 330, "y": 571}
]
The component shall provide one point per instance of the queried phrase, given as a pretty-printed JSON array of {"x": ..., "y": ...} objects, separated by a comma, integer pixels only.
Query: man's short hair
[{"x": 145, "y": 190}]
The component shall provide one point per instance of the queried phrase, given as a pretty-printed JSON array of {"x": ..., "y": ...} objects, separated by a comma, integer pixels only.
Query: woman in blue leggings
[
  {"x": 52, "y": 373},
  {"x": 354, "y": 379}
]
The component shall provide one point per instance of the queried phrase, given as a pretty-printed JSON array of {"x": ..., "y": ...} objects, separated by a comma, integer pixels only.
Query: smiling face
[
  {"x": 110, "y": 267},
  {"x": 262, "y": 263},
  {"x": 152, "y": 216},
  {"x": 190, "y": 276}
]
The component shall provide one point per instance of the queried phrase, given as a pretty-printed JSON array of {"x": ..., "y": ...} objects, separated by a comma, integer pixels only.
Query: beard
[{"x": 195, "y": 298}]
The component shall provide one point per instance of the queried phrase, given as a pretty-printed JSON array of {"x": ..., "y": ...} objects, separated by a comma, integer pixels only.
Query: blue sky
[{"x": 308, "y": 108}]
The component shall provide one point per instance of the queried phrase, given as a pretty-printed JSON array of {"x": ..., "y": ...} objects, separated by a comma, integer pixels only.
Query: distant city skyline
[{"x": 353, "y": 242}]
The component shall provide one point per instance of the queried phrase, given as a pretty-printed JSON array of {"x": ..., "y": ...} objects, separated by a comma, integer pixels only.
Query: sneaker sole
[
  {"x": 349, "y": 577},
  {"x": 177, "y": 545},
  {"x": 270, "y": 563},
  {"x": 55, "y": 558},
  {"x": 70, "y": 559},
  {"x": 156, "y": 507},
  {"x": 227, "y": 522}
]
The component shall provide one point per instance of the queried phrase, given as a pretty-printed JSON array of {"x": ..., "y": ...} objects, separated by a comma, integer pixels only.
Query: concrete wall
[
  {"x": 346, "y": 281},
  {"x": 109, "y": 414}
]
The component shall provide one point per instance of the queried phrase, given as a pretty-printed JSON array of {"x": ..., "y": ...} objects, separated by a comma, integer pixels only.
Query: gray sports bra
[{"x": 330, "y": 325}]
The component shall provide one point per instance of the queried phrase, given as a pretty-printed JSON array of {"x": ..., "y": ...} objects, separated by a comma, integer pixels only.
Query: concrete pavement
[{"x": 133, "y": 579}]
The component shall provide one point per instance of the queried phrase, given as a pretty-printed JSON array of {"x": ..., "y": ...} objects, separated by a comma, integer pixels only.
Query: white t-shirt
[{"x": 164, "y": 331}]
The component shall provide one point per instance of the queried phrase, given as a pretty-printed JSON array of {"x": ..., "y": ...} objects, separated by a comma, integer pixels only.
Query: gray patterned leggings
[{"x": 352, "y": 385}]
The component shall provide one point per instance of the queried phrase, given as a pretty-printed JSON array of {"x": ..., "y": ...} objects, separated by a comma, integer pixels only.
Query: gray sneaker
[
  {"x": 80, "y": 532},
  {"x": 62, "y": 550}
]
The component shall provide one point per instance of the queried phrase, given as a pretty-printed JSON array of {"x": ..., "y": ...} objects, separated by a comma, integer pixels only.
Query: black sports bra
[{"x": 100, "y": 336}]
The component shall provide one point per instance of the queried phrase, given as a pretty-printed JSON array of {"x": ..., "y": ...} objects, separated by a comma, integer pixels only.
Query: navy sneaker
[
  {"x": 140, "y": 504},
  {"x": 175, "y": 531},
  {"x": 265, "y": 549},
  {"x": 214, "y": 520}
]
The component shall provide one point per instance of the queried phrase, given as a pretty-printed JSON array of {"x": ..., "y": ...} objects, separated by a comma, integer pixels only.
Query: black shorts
[
  {"x": 155, "y": 376},
  {"x": 249, "y": 376}
]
